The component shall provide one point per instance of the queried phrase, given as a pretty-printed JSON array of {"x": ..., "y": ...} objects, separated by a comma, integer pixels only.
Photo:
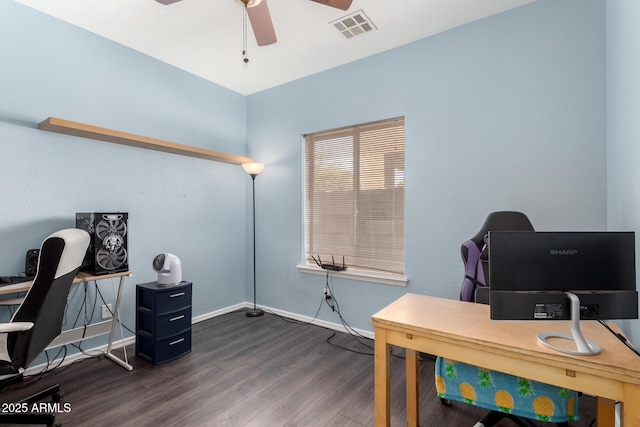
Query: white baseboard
[
  {"x": 220, "y": 312},
  {"x": 67, "y": 360},
  {"x": 323, "y": 323},
  {"x": 38, "y": 369}
]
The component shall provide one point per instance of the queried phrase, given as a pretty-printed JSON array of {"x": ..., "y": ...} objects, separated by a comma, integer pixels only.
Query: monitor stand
[{"x": 584, "y": 347}]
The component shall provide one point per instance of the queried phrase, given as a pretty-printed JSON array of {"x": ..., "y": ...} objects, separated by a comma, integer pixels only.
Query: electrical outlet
[{"x": 106, "y": 311}]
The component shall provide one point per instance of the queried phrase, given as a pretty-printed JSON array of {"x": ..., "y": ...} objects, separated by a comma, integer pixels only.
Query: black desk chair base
[
  {"x": 494, "y": 417},
  {"x": 29, "y": 419},
  {"x": 35, "y": 418}
]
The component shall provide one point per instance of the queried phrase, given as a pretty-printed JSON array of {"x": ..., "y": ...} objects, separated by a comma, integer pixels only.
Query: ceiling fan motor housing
[{"x": 248, "y": 3}]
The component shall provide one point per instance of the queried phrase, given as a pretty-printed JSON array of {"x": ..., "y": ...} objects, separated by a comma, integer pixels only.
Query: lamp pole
[{"x": 253, "y": 169}]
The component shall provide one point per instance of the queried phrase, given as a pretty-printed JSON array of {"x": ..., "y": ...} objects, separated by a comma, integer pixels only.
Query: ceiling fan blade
[
  {"x": 261, "y": 23},
  {"x": 339, "y": 4},
  {"x": 167, "y": 2}
]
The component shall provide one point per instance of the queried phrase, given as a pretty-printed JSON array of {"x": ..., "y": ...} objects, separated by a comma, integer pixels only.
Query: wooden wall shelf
[{"x": 53, "y": 124}]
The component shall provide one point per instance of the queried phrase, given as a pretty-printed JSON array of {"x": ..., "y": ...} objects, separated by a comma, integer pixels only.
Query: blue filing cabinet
[{"x": 163, "y": 321}]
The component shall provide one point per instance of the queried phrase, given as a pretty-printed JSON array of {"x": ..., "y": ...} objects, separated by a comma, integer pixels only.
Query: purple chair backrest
[{"x": 473, "y": 272}]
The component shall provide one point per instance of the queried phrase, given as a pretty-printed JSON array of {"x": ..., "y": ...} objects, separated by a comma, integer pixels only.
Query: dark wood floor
[{"x": 249, "y": 372}]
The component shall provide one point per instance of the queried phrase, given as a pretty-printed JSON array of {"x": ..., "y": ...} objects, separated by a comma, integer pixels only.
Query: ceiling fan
[{"x": 260, "y": 18}]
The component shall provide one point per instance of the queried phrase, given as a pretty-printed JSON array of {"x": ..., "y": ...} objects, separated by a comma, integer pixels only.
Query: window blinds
[{"x": 354, "y": 195}]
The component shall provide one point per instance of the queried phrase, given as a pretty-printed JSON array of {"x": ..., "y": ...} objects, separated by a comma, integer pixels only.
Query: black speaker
[
  {"x": 31, "y": 263},
  {"x": 107, "y": 251}
]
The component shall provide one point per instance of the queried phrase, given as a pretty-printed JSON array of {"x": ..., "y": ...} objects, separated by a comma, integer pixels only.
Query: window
[{"x": 354, "y": 195}]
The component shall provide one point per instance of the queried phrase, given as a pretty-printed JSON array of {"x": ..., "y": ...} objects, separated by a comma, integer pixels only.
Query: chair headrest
[
  {"x": 76, "y": 243},
  {"x": 502, "y": 221}
]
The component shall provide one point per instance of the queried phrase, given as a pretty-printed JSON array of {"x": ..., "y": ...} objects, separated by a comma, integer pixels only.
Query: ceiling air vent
[{"x": 353, "y": 25}]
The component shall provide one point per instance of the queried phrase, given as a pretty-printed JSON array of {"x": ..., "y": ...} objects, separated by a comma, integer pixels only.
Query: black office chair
[
  {"x": 475, "y": 289},
  {"x": 38, "y": 320}
]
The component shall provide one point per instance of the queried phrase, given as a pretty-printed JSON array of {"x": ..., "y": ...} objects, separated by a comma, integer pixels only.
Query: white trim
[
  {"x": 99, "y": 351},
  {"x": 35, "y": 370},
  {"x": 358, "y": 274},
  {"x": 220, "y": 312},
  {"x": 323, "y": 323}
]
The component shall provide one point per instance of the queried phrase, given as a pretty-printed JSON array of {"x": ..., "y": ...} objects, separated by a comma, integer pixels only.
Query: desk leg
[
  {"x": 114, "y": 320},
  {"x": 605, "y": 412},
  {"x": 413, "y": 413},
  {"x": 630, "y": 407},
  {"x": 382, "y": 378}
]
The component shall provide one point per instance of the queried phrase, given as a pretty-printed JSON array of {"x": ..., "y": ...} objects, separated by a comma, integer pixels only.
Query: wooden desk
[
  {"x": 89, "y": 331},
  {"x": 463, "y": 331}
]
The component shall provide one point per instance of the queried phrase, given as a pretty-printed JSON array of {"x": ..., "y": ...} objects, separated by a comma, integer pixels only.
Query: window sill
[{"x": 357, "y": 274}]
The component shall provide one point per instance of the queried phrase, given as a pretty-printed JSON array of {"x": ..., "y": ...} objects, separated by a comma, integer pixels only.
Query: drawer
[
  {"x": 164, "y": 300},
  {"x": 164, "y": 325},
  {"x": 164, "y": 350},
  {"x": 173, "y": 300}
]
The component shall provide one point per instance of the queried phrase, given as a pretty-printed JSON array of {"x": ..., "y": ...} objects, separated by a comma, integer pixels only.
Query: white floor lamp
[{"x": 253, "y": 169}]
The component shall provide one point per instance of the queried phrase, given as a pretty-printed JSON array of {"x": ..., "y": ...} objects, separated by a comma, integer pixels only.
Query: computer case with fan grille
[{"x": 107, "y": 251}]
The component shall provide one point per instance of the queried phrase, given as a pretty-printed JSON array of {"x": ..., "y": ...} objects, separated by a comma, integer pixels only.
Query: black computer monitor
[{"x": 530, "y": 273}]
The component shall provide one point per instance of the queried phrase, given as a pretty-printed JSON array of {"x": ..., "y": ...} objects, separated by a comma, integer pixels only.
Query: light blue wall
[
  {"x": 507, "y": 113},
  {"x": 623, "y": 126},
  {"x": 191, "y": 207}
]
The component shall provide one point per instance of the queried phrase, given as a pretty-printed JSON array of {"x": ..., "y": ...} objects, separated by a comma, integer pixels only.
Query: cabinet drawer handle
[
  {"x": 176, "y": 295},
  {"x": 176, "y": 341},
  {"x": 173, "y": 319}
]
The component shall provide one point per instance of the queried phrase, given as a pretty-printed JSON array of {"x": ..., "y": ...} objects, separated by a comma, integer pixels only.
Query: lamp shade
[{"x": 253, "y": 168}]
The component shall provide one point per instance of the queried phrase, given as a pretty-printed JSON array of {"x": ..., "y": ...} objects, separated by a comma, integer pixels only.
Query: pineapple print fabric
[{"x": 504, "y": 393}]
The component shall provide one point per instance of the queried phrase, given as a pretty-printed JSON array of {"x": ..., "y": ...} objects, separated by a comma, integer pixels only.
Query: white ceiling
[{"x": 204, "y": 37}]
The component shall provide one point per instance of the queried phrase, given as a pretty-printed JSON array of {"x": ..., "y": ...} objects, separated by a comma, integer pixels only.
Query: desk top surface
[
  {"x": 82, "y": 276},
  {"x": 469, "y": 324}
]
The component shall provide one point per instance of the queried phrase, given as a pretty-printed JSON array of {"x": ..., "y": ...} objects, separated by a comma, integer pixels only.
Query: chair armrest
[{"x": 15, "y": 327}]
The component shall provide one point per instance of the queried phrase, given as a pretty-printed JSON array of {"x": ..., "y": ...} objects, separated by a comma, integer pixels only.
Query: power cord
[
  {"x": 594, "y": 312},
  {"x": 332, "y": 302},
  {"x": 299, "y": 322},
  {"x": 329, "y": 298},
  {"x": 111, "y": 311},
  {"x": 63, "y": 349},
  {"x": 88, "y": 318},
  {"x": 48, "y": 366}
]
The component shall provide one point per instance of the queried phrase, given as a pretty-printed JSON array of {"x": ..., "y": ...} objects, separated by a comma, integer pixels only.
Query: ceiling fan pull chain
[{"x": 244, "y": 33}]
